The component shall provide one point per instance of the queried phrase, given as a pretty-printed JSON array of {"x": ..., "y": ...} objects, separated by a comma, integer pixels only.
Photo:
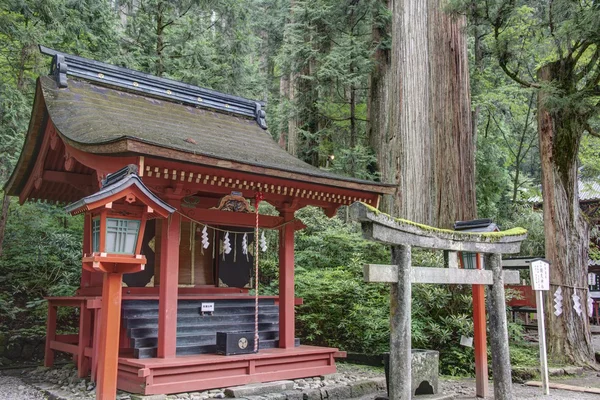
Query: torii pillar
[{"x": 402, "y": 235}]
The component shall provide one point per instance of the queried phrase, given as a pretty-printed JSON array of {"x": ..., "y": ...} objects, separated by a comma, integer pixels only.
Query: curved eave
[
  {"x": 31, "y": 146},
  {"x": 128, "y": 145}
]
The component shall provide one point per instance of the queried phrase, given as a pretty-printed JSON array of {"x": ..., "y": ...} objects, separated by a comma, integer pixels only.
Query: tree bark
[
  {"x": 565, "y": 228},
  {"x": 383, "y": 141},
  {"x": 409, "y": 105},
  {"x": 453, "y": 155},
  {"x": 430, "y": 110},
  {"x": 3, "y": 220},
  {"x": 292, "y": 137}
]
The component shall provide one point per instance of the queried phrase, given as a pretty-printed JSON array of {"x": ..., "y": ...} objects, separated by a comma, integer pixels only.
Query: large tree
[
  {"x": 430, "y": 130},
  {"x": 559, "y": 38}
]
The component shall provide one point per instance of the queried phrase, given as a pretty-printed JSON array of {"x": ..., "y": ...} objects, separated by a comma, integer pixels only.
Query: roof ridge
[{"x": 64, "y": 64}]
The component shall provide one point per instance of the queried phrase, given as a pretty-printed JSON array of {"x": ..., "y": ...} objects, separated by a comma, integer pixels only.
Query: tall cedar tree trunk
[
  {"x": 565, "y": 228},
  {"x": 453, "y": 156},
  {"x": 381, "y": 138},
  {"x": 292, "y": 136},
  {"x": 160, "y": 26},
  {"x": 430, "y": 110},
  {"x": 409, "y": 110}
]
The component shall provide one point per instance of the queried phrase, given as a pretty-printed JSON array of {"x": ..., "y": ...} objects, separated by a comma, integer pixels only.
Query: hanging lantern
[{"x": 118, "y": 213}]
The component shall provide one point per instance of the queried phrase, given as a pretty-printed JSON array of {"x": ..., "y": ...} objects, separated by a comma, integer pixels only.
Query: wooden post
[
  {"x": 479, "y": 323},
  {"x": 286, "y": 283},
  {"x": 108, "y": 360},
  {"x": 499, "y": 332},
  {"x": 50, "y": 335},
  {"x": 539, "y": 297},
  {"x": 168, "y": 290},
  {"x": 85, "y": 325},
  {"x": 86, "y": 276},
  {"x": 400, "y": 326}
]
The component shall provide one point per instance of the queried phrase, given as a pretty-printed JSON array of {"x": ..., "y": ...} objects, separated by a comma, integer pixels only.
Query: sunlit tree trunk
[{"x": 565, "y": 228}]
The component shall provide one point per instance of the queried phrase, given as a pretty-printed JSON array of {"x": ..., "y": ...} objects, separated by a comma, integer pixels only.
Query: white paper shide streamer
[
  {"x": 558, "y": 302},
  {"x": 245, "y": 244},
  {"x": 263, "y": 242},
  {"x": 590, "y": 305},
  {"x": 205, "y": 242},
  {"x": 226, "y": 244},
  {"x": 577, "y": 303}
]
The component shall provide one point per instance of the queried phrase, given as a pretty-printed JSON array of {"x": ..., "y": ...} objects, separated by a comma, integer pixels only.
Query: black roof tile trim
[
  {"x": 115, "y": 183},
  {"x": 106, "y": 74}
]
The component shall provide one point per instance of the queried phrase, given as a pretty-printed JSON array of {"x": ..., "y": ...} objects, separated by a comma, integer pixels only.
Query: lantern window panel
[
  {"x": 121, "y": 235},
  {"x": 96, "y": 235}
]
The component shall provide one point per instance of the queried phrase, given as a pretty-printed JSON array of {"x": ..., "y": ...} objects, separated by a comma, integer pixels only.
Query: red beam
[
  {"x": 71, "y": 178},
  {"x": 73, "y": 339},
  {"x": 66, "y": 347},
  {"x": 218, "y": 217}
]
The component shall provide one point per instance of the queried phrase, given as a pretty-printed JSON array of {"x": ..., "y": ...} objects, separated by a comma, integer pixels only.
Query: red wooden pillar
[
  {"x": 286, "y": 283},
  {"x": 108, "y": 360},
  {"x": 86, "y": 276},
  {"x": 479, "y": 323},
  {"x": 50, "y": 335},
  {"x": 169, "y": 281},
  {"x": 83, "y": 362}
]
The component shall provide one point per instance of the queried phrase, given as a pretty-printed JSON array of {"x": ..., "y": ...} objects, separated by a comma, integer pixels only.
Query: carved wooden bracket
[{"x": 235, "y": 203}]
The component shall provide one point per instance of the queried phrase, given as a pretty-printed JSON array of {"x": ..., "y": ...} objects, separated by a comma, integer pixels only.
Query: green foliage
[{"x": 42, "y": 257}]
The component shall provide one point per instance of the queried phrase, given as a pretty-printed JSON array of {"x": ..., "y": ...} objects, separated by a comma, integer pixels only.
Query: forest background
[{"x": 313, "y": 63}]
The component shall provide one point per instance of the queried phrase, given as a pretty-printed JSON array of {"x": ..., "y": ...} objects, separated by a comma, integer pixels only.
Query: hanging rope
[
  {"x": 257, "y": 199},
  {"x": 229, "y": 230}
]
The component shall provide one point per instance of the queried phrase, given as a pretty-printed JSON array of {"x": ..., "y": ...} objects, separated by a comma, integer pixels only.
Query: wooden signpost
[
  {"x": 402, "y": 236},
  {"x": 540, "y": 282}
]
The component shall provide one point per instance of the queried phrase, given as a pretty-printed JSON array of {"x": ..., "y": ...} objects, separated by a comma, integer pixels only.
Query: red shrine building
[{"x": 201, "y": 159}]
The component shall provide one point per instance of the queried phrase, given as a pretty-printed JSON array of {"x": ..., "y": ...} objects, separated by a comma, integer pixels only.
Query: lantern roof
[{"x": 118, "y": 185}]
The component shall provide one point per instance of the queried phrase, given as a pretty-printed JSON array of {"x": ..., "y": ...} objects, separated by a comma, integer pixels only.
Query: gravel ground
[
  {"x": 14, "y": 384},
  {"x": 13, "y": 388},
  {"x": 465, "y": 389}
]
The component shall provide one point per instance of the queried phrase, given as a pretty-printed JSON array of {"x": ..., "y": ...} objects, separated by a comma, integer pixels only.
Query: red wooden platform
[{"x": 208, "y": 371}]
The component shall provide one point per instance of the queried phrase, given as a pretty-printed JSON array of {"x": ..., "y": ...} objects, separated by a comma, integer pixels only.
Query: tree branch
[{"x": 590, "y": 130}]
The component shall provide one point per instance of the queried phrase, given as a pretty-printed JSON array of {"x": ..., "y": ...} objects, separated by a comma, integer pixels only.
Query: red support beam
[
  {"x": 479, "y": 322},
  {"x": 169, "y": 281},
  {"x": 108, "y": 343},
  {"x": 286, "y": 283},
  {"x": 218, "y": 217}
]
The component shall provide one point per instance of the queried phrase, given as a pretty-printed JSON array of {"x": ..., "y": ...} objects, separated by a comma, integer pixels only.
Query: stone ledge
[{"x": 256, "y": 389}]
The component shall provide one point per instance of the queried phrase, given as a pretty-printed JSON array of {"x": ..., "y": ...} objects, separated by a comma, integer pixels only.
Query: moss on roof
[{"x": 89, "y": 114}]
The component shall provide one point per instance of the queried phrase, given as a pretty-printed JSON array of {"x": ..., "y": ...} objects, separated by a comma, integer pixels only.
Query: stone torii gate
[{"x": 402, "y": 235}]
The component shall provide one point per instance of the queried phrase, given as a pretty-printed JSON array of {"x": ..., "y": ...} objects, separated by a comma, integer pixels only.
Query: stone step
[
  {"x": 138, "y": 333},
  {"x": 150, "y": 322},
  {"x": 200, "y": 337},
  {"x": 197, "y": 303},
  {"x": 141, "y": 312}
]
